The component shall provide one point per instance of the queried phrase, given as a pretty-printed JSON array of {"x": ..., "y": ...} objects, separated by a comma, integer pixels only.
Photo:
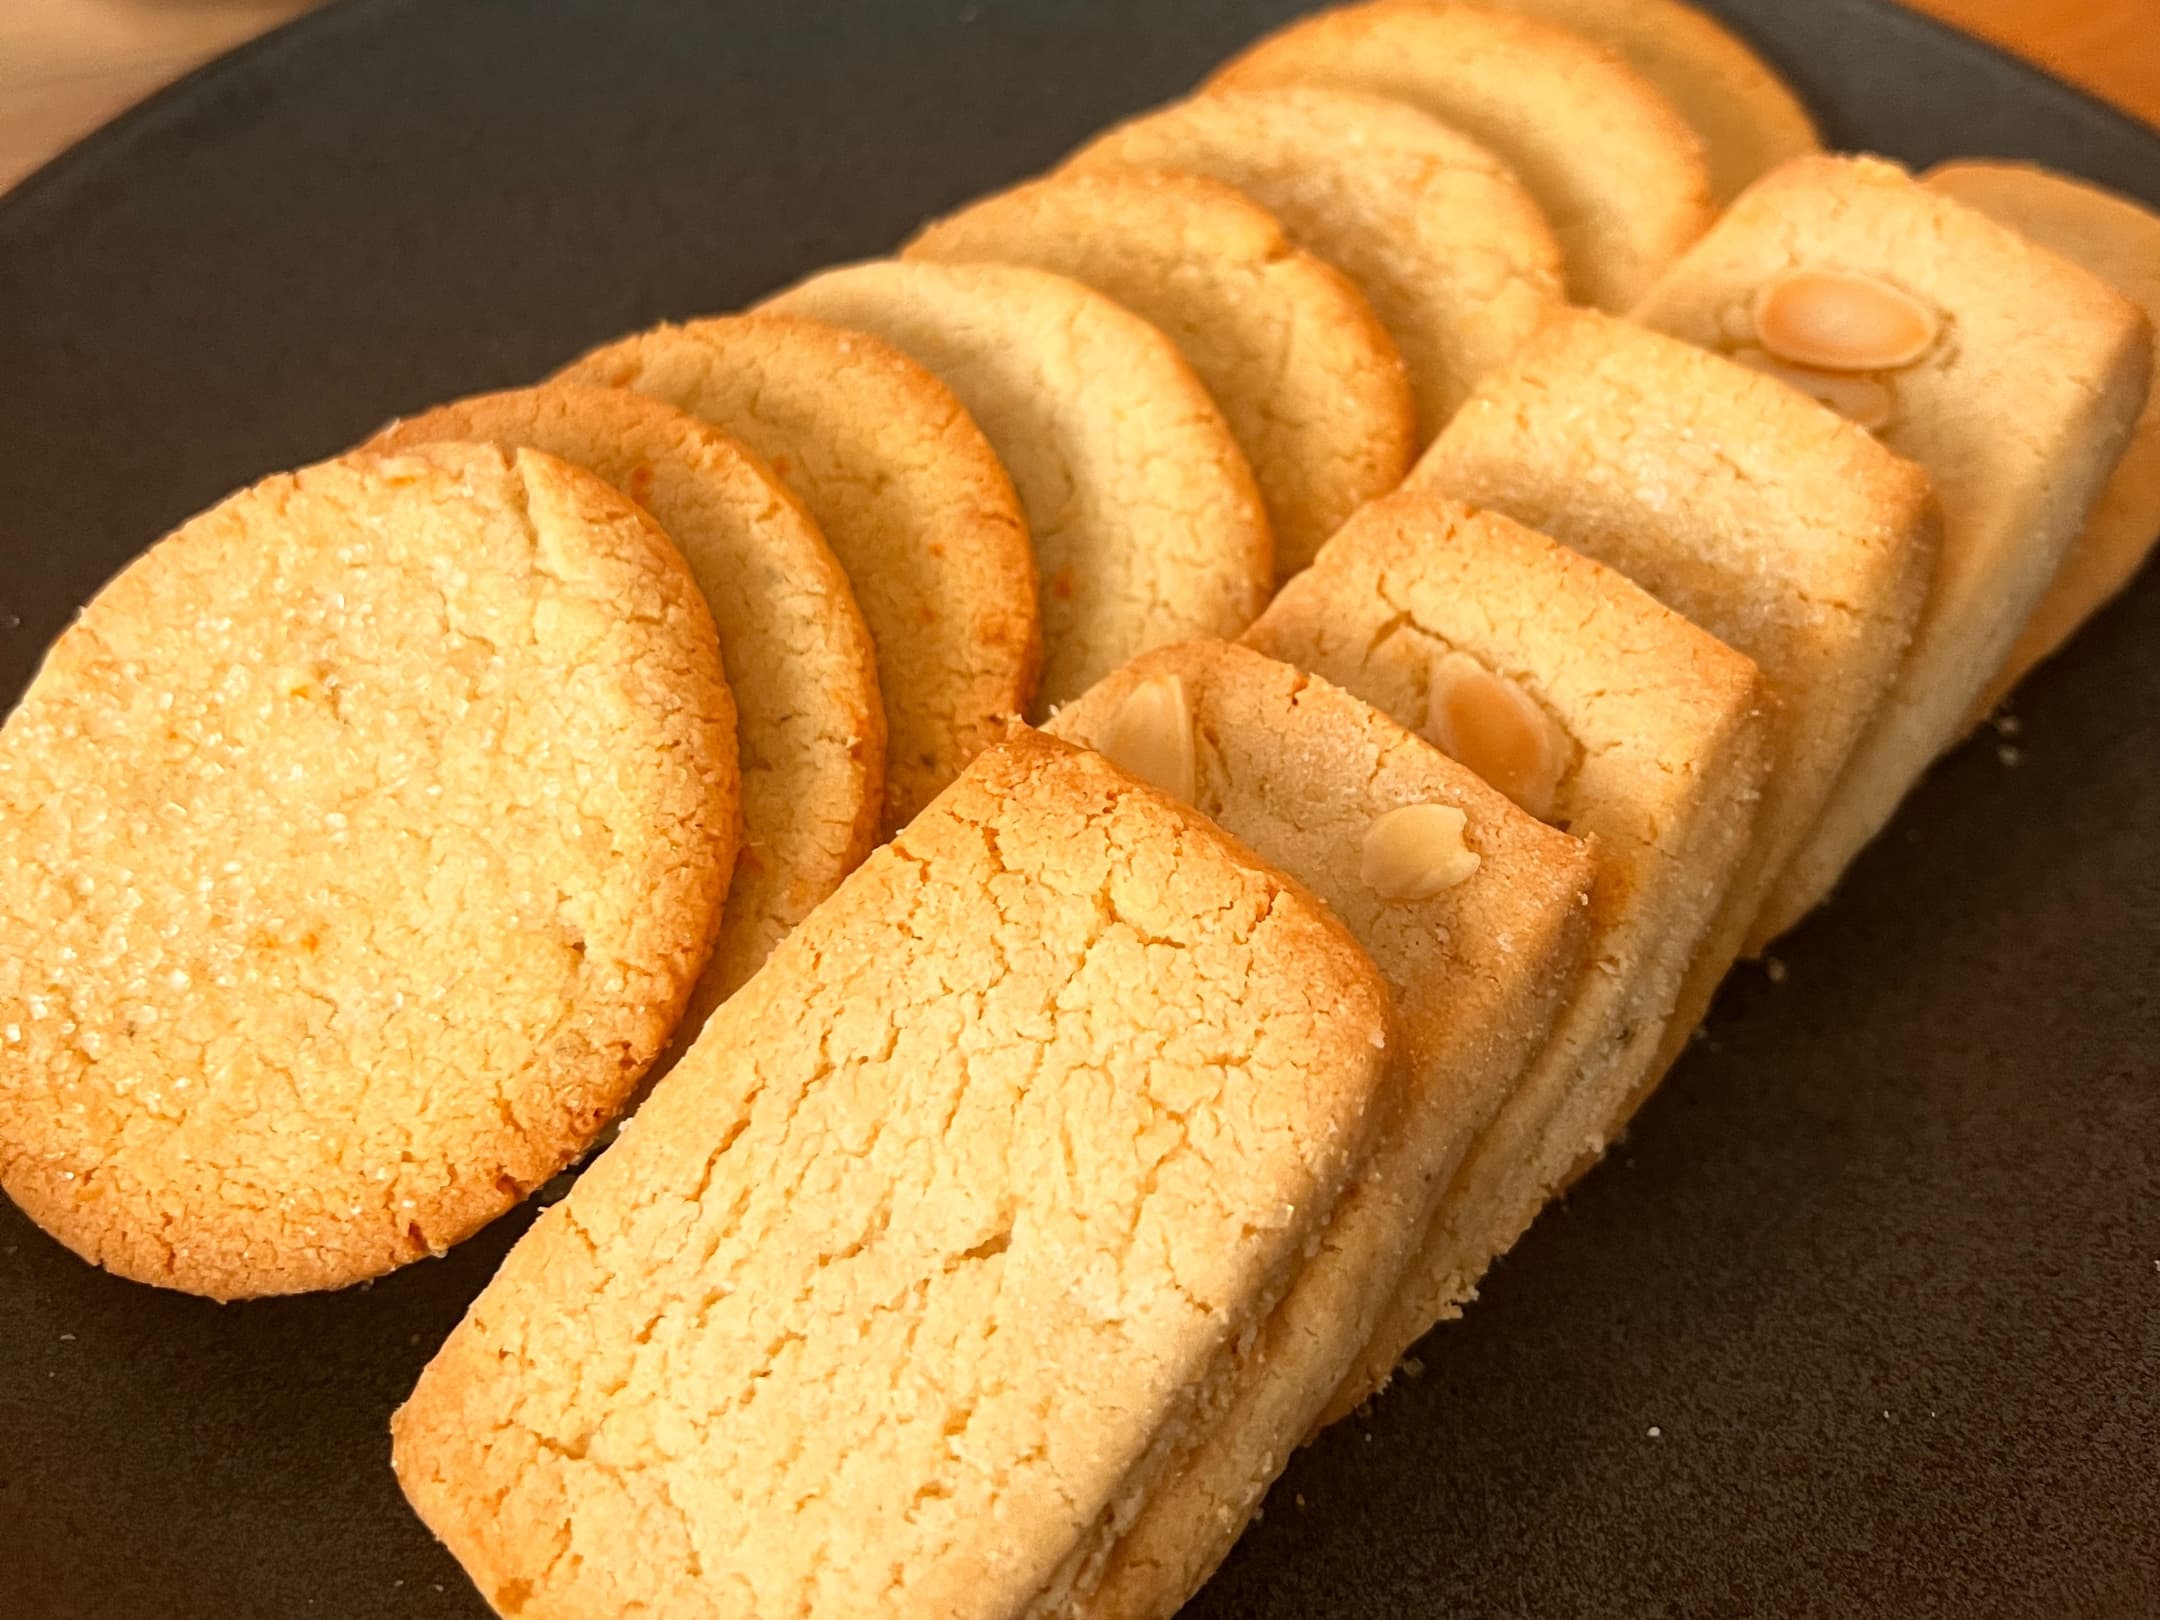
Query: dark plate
[{"x": 1864, "y": 1318}]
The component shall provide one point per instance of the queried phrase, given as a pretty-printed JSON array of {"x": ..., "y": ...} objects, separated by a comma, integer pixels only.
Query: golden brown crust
[
  {"x": 1748, "y": 117},
  {"x": 1436, "y": 232},
  {"x": 358, "y": 847},
  {"x": 1145, "y": 520},
  {"x": 908, "y": 494},
  {"x": 1775, "y": 524},
  {"x": 1620, "y": 175},
  {"x": 2119, "y": 241},
  {"x": 1672, "y": 732},
  {"x": 809, "y": 725},
  {"x": 1303, "y": 371},
  {"x": 884, "y": 1299},
  {"x": 1299, "y": 770},
  {"x": 2018, "y": 324}
]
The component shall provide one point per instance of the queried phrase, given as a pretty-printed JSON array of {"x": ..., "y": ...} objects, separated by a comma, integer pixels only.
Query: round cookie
[
  {"x": 1304, "y": 373},
  {"x": 910, "y": 497},
  {"x": 799, "y": 661},
  {"x": 1443, "y": 241},
  {"x": 2119, "y": 241},
  {"x": 1618, "y": 172},
  {"x": 1146, "y": 523},
  {"x": 1748, "y": 117},
  {"x": 359, "y": 846}
]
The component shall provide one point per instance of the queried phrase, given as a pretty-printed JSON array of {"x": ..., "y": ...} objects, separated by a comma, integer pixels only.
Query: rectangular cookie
[
  {"x": 1664, "y": 734},
  {"x": 1778, "y": 526},
  {"x": 1305, "y": 774},
  {"x": 900, "y": 1289},
  {"x": 2010, "y": 374}
]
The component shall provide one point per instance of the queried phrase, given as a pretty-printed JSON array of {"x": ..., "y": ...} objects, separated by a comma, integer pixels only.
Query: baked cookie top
[
  {"x": 359, "y": 846},
  {"x": 1145, "y": 520},
  {"x": 956, "y": 1206},
  {"x": 1303, "y": 371},
  {"x": 1455, "y": 258},
  {"x": 807, "y": 718},
  {"x": 1316, "y": 782},
  {"x": 908, "y": 494},
  {"x": 2119, "y": 241},
  {"x": 2013, "y": 376},
  {"x": 1748, "y": 117},
  {"x": 1620, "y": 175},
  {"x": 1777, "y": 525}
]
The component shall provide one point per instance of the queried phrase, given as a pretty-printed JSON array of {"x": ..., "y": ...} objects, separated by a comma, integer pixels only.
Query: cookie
[
  {"x": 1778, "y": 526},
  {"x": 1436, "y": 232},
  {"x": 908, "y": 494},
  {"x": 1748, "y": 117},
  {"x": 1657, "y": 747},
  {"x": 1146, "y": 524},
  {"x": 2011, "y": 375},
  {"x": 1617, "y": 171},
  {"x": 900, "y": 1290},
  {"x": 1316, "y": 783},
  {"x": 359, "y": 846},
  {"x": 2119, "y": 241},
  {"x": 1304, "y": 373},
  {"x": 799, "y": 662}
]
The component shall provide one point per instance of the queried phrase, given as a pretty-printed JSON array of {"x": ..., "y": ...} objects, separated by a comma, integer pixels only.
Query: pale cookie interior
[
  {"x": 1305, "y": 374},
  {"x": 2017, "y": 412},
  {"x": 1748, "y": 117},
  {"x": 1301, "y": 772},
  {"x": 808, "y": 720},
  {"x": 1145, "y": 520},
  {"x": 1785, "y": 531},
  {"x": 971, "y": 1189},
  {"x": 1673, "y": 748},
  {"x": 906, "y": 491},
  {"x": 1619, "y": 174},
  {"x": 1454, "y": 256}
]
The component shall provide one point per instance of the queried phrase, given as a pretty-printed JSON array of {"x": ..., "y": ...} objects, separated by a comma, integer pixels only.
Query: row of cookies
[{"x": 1734, "y": 594}]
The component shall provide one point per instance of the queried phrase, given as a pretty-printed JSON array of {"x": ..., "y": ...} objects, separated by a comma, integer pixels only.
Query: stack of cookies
[{"x": 1489, "y": 519}]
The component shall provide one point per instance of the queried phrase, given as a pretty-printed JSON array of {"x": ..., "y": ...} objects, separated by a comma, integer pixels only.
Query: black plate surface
[{"x": 1864, "y": 1318}]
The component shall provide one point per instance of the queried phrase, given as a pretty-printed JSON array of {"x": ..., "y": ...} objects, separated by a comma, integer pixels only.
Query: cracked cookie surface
[
  {"x": 359, "y": 845},
  {"x": 808, "y": 725},
  {"x": 1299, "y": 770},
  {"x": 894, "y": 1294}
]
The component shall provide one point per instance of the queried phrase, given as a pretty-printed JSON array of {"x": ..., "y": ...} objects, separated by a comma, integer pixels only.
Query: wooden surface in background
[{"x": 68, "y": 65}]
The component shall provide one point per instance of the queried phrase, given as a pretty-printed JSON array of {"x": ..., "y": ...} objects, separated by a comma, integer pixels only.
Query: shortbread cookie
[
  {"x": 1477, "y": 916},
  {"x": 901, "y": 1289},
  {"x": 1748, "y": 117},
  {"x": 2011, "y": 375},
  {"x": 1436, "y": 232},
  {"x": 799, "y": 662},
  {"x": 2118, "y": 241},
  {"x": 908, "y": 494},
  {"x": 1778, "y": 526},
  {"x": 1618, "y": 172},
  {"x": 1642, "y": 733},
  {"x": 359, "y": 846},
  {"x": 1146, "y": 524},
  {"x": 1304, "y": 373}
]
